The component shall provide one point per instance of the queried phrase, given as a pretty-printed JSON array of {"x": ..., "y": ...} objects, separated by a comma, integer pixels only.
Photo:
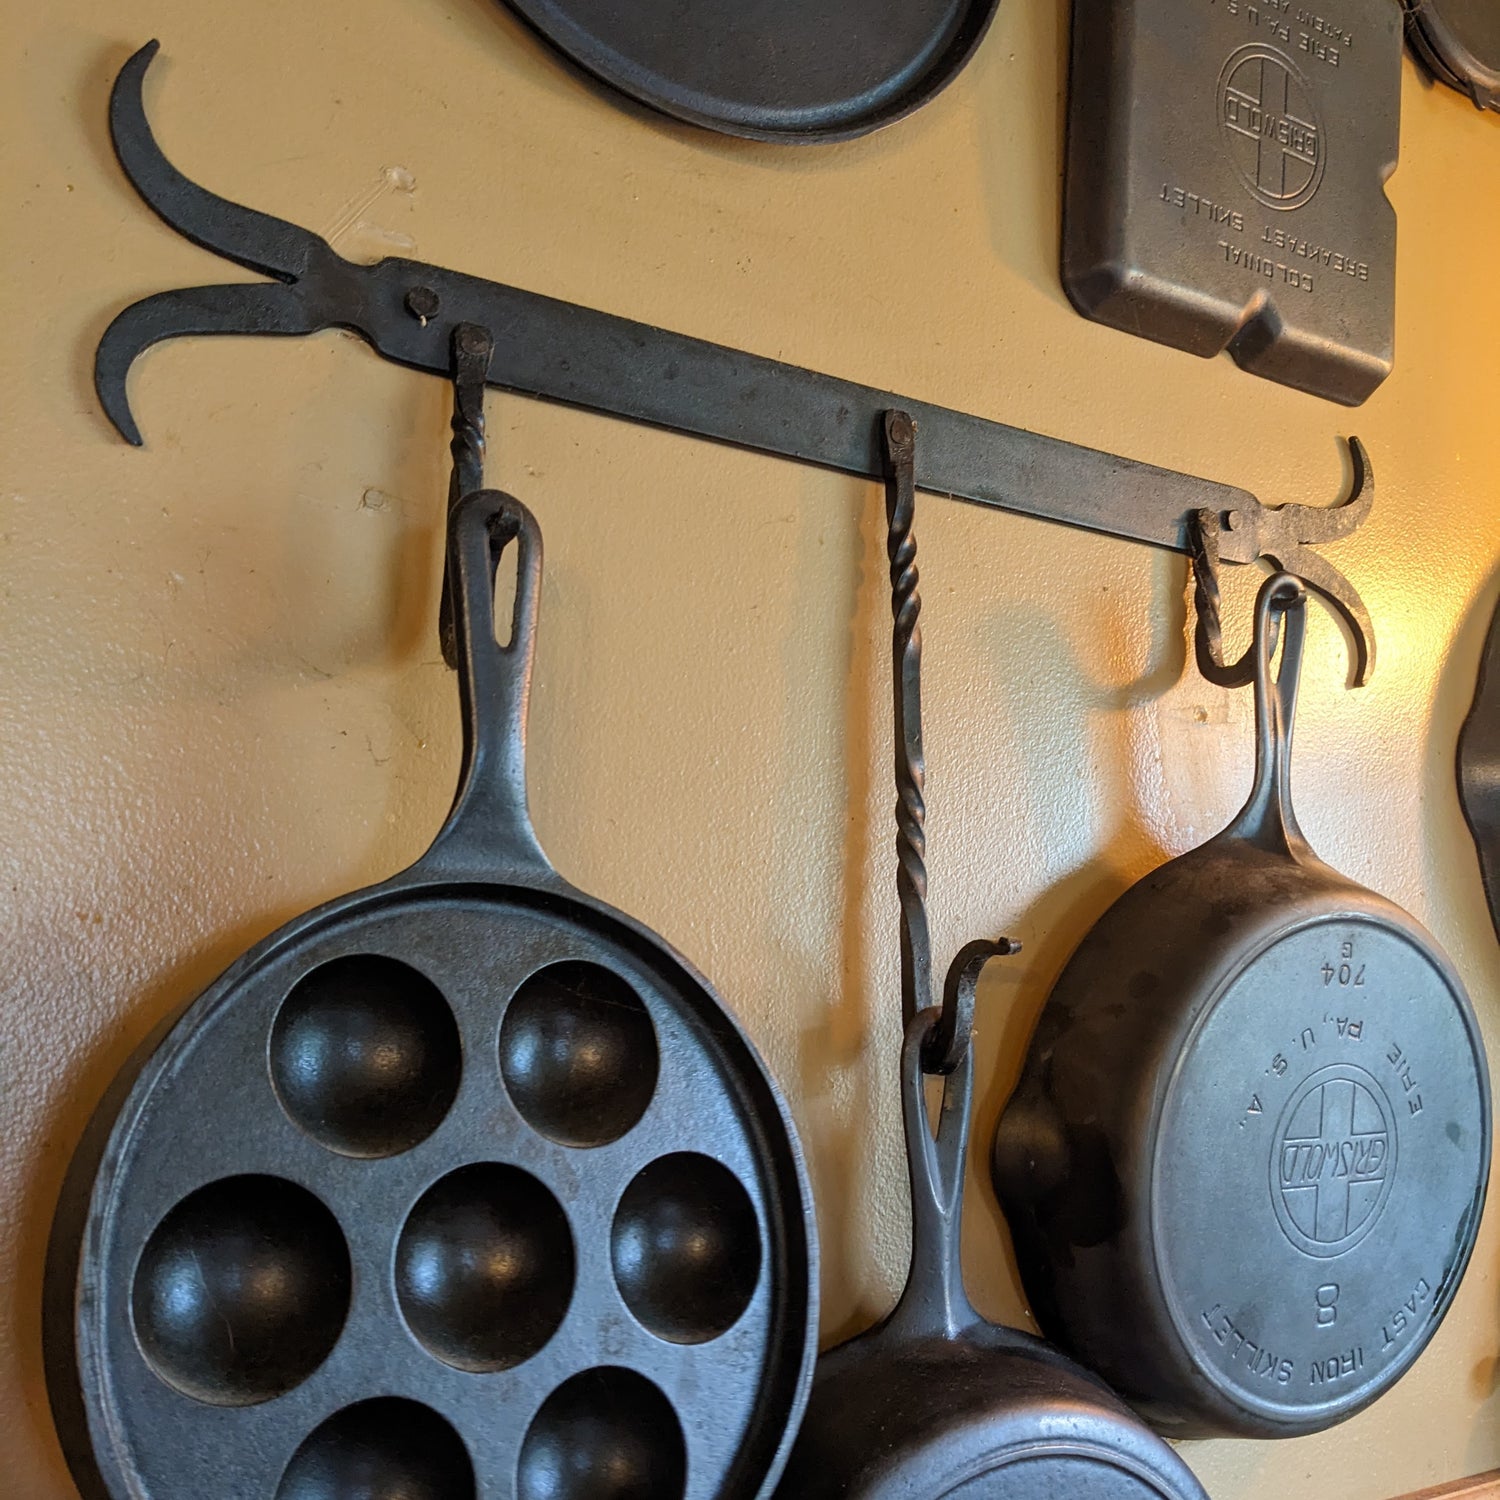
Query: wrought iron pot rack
[{"x": 412, "y": 313}]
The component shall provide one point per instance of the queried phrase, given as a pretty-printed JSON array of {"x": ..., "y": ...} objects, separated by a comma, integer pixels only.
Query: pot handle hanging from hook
[
  {"x": 473, "y": 347},
  {"x": 1267, "y": 819},
  {"x": 936, "y": 1038}
]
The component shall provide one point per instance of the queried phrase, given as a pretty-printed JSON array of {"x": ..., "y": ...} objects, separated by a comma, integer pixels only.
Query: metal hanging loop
[
  {"x": 1208, "y": 636},
  {"x": 947, "y": 1040}
]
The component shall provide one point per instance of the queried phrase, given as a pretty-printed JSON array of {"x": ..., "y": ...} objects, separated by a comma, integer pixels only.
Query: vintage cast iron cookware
[
  {"x": 461, "y": 1187},
  {"x": 1245, "y": 1163},
  {"x": 936, "y": 1402}
]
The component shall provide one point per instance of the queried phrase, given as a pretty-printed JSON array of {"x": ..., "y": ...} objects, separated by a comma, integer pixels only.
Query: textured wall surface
[{"x": 221, "y": 692}]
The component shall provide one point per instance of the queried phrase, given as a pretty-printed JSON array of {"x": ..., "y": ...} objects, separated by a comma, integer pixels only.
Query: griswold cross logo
[
  {"x": 1270, "y": 123},
  {"x": 1333, "y": 1160}
]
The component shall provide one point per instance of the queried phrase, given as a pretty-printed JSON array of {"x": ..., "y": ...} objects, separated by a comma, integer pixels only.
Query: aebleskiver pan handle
[
  {"x": 488, "y": 834},
  {"x": 1267, "y": 819},
  {"x": 934, "y": 1303}
]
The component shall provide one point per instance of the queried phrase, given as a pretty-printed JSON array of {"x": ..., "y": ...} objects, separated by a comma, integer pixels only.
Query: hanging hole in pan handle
[
  {"x": 934, "y": 1301},
  {"x": 1268, "y": 819},
  {"x": 490, "y": 824}
]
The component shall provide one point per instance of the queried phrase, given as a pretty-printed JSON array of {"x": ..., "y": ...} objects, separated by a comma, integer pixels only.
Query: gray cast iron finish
[
  {"x": 1225, "y": 184},
  {"x": 1246, "y": 1160},
  {"x": 793, "y": 71},
  {"x": 936, "y": 1402},
  {"x": 465, "y": 1185},
  {"x": 408, "y": 312}
]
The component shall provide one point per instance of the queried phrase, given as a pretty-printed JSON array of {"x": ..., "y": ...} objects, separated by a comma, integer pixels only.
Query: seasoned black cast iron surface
[
  {"x": 775, "y": 70},
  {"x": 1479, "y": 769},
  {"x": 1245, "y": 1163},
  {"x": 463, "y": 1187}
]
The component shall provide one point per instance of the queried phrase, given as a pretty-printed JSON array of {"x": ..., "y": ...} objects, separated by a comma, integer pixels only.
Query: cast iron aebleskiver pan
[
  {"x": 936, "y": 1402},
  {"x": 461, "y": 1187},
  {"x": 797, "y": 71},
  {"x": 1245, "y": 1163}
]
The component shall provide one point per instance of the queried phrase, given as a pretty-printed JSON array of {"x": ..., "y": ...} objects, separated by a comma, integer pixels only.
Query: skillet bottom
[{"x": 1318, "y": 1170}]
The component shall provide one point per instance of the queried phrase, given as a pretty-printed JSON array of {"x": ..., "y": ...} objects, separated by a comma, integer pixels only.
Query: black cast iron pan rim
[
  {"x": 579, "y": 50},
  {"x": 1155, "y": 1234}
]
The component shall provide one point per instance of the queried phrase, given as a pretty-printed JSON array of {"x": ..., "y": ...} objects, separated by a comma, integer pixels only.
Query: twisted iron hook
[{"x": 948, "y": 1039}]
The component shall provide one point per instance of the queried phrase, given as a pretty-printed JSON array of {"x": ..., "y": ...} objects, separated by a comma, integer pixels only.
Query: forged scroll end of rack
[{"x": 1285, "y": 537}]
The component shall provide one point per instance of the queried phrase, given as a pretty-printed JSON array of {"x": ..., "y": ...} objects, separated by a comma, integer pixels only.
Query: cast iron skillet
[
  {"x": 936, "y": 1402},
  {"x": 799, "y": 71},
  {"x": 1245, "y": 1163},
  {"x": 461, "y": 1186}
]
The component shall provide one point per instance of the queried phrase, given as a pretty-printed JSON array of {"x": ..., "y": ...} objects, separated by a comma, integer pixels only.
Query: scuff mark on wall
[{"x": 361, "y": 238}]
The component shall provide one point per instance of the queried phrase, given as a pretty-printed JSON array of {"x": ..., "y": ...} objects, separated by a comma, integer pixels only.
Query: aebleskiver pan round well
[
  {"x": 1245, "y": 1163},
  {"x": 463, "y": 1187}
]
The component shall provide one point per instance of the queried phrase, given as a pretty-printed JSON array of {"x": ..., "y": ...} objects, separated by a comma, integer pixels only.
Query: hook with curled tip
[
  {"x": 304, "y": 265},
  {"x": 1285, "y": 535},
  {"x": 253, "y": 239},
  {"x": 248, "y": 308},
  {"x": 946, "y": 1042}
]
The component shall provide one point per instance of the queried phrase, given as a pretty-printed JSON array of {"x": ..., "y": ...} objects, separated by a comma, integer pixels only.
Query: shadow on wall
[
  {"x": 1053, "y": 696},
  {"x": 840, "y": 1085},
  {"x": 1023, "y": 166},
  {"x": 1455, "y": 886}
]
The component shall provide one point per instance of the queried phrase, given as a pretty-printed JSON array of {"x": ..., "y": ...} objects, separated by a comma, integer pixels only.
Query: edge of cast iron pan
[
  {"x": 1459, "y": 45},
  {"x": 769, "y": 70},
  {"x": 76, "y": 1380}
]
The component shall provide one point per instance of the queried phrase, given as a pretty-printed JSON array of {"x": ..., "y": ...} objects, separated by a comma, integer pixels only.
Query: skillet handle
[
  {"x": 935, "y": 1303},
  {"x": 488, "y": 832},
  {"x": 1267, "y": 819}
]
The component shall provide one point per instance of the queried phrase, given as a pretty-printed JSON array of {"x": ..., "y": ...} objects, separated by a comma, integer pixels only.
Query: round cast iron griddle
[
  {"x": 1459, "y": 41},
  {"x": 461, "y": 1187},
  {"x": 1245, "y": 1163},
  {"x": 798, "y": 71}
]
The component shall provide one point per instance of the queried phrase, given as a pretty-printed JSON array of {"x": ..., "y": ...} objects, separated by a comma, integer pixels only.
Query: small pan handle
[
  {"x": 935, "y": 1303},
  {"x": 1267, "y": 819},
  {"x": 488, "y": 833}
]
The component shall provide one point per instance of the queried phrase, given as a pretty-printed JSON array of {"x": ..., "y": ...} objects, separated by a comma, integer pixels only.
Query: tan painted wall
[{"x": 222, "y": 696}]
